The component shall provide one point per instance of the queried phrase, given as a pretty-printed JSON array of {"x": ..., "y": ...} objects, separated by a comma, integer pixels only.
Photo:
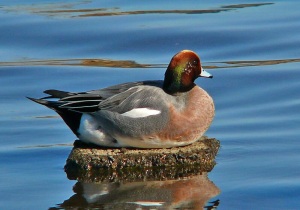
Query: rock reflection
[{"x": 186, "y": 192}]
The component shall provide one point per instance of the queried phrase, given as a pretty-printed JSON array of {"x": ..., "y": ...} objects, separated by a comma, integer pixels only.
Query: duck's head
[{"x": 182, "y": 71}]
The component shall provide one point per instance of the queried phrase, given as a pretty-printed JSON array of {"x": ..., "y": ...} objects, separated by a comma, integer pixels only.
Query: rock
[{"x": 87, "y": 162}]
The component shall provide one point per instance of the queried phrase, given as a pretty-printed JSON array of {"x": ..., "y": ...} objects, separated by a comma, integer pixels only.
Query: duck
[{"x": 146, "y": 114}]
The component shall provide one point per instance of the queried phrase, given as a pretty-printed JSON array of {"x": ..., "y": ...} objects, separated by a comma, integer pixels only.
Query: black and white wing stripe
[{"x": 91, "y": 101}]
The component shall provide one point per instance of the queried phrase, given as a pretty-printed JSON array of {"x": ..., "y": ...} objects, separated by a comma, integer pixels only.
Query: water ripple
[{"x": 69, "y": 10}]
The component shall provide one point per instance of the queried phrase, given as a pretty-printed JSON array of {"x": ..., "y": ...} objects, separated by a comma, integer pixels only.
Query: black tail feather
[
  {"x": 57, "y": 93},
  {"x": 70, "y": 117}
]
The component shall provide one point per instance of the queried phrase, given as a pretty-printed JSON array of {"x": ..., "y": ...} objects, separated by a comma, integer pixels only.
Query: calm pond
[{"x": 251, "y": 48}]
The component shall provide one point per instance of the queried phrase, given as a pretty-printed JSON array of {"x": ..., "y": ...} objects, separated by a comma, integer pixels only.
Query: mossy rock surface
[{"x": 91, "y": 162}]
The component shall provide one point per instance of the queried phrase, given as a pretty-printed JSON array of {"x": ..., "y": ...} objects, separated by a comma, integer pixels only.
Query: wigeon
[{"x": 146, "y": 114}]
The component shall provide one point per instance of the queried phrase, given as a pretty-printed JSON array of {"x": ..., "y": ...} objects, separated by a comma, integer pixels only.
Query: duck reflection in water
[{"x": 193, "y": 192}]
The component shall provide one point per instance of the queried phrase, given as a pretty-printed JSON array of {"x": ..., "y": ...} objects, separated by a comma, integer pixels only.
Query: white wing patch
[
  {"x": 141, "y": 112},
  {"x": 148, "y": 203}
]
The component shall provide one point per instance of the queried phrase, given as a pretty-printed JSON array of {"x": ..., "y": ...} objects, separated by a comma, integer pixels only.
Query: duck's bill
[{"x": 205, "y": 74}]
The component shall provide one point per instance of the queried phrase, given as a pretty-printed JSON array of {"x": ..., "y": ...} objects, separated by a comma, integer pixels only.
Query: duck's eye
[{"x": 195, "y": 62}]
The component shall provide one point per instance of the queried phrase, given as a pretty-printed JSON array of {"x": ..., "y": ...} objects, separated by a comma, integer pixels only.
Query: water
[{"x": 251, "y": 48}]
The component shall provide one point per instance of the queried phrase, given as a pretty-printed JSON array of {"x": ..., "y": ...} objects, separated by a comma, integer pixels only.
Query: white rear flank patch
[
  {"x": 90, "y": 132},
  {"x": 141, "y": 112}
]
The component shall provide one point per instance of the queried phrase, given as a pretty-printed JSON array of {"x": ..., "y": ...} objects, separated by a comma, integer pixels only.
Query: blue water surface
[{"x": 251, "y": 48}]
